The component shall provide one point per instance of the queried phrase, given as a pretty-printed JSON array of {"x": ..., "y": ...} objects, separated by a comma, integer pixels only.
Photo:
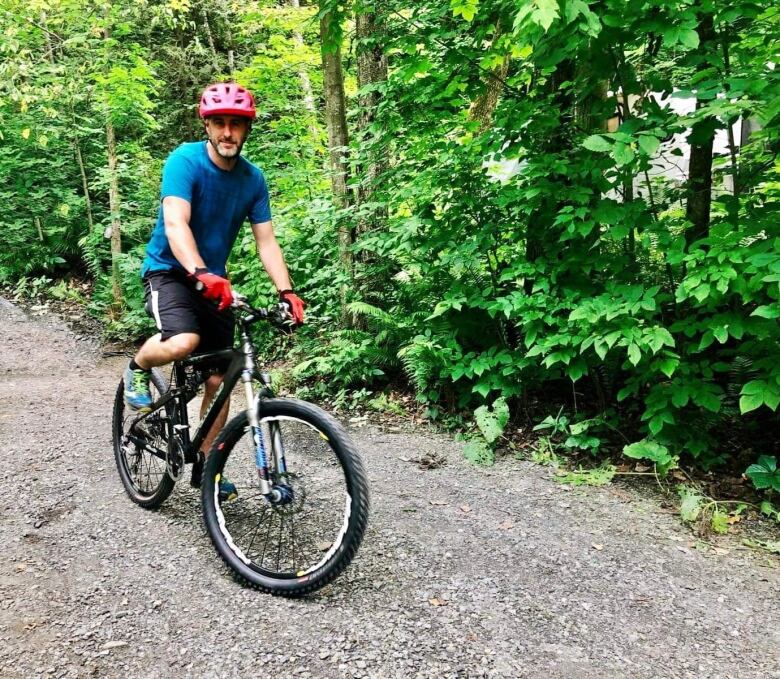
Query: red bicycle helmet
[{"x": 227, "y": 99}]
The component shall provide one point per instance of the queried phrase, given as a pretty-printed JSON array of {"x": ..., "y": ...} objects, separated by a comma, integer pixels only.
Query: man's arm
[
  {"x": 176, "y": 213},
  {"x": 271, "y": 255}
]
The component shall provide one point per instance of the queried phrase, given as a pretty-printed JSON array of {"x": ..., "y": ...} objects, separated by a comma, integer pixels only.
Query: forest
[{"x": 560, "y": 215}]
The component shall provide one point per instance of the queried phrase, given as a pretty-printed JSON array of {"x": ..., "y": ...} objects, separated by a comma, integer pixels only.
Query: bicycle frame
[{"x": 241, "y": 367}]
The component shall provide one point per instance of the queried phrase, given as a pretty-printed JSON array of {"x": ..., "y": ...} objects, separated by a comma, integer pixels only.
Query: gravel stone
[{"x": 92, "y": 585}]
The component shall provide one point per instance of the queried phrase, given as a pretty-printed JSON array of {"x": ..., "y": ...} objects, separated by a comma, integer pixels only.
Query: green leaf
[
  {"x": 623, "y": 154},
  {"x": 492, "y": 423},
  {"x": 601, "y": 476},
  {"x": 771, "y": 546},
  {"x": 668, "y": 365},
  {"x": 688, "y": 38},
  {"x": 478, "y": 452},
  {"x": 481, "y": 388},
  {"x": 634, "y": 354},
  {"x": 680, "y": 397},
  {"x": 750, "y": 402},
  {"x": 764, "y": 473},
  {"x": 545, "y": 13},
  {"x": 690, "y": 504},
  {"x": 597, "y": 142},
  {"x": 653, "y": 451},
  {"x": 754, "y": 387},
  {"x": 768, "y": 509},
  {"x": 719, "y": 522},
  {"x": 465, "y": 8},
  {"x": 707, "y": 399},
  {"x": 648, "y": 144},
  {"x": 768, "y": 311}
]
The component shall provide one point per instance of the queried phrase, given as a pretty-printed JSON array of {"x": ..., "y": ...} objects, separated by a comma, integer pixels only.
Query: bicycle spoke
[
  {"x": 265, "y": 541},
  {"x": 279, "y": 551},
  {"x": 256, "y": 528}
]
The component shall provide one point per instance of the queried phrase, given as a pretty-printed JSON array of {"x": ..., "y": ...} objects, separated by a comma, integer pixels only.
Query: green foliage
[
  {"x": 479, "y": 452},
  {"x": 769, "y": 510},
  {"x": 572, "y": 436},
  {"x": 707, "y": 514},
  {"x": 491, "y": 421},
  {"x": 771, "y": 546},
  {"x": 764, "y": 474},
  {"x": 691, "y": 503},
  {"x": 526, "y": 250},
  {"x": 653, "y": 452},
  {"x": 599, "y": 476}
]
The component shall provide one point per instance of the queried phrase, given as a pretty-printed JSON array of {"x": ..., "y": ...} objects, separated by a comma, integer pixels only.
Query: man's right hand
[{"x": 213, "y": 287}]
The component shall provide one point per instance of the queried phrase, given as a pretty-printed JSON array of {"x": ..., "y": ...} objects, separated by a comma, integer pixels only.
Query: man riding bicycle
[{"x": 208, "y": 191}]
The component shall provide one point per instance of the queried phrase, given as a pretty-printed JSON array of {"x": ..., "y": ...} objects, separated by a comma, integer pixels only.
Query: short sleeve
[
  {"x": 261, "y": 209},
  {"x": 178, "y": 177}
]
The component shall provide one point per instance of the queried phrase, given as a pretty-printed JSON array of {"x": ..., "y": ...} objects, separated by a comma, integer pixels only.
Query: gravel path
[{"x": 464, "y": 572}]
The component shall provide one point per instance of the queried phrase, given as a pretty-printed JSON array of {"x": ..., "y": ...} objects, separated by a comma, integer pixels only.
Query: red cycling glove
[
  {"x": 295, "y": 303},
  {"x": 213, "y": 287}
]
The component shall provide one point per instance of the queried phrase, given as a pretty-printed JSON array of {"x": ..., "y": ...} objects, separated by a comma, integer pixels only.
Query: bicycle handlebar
[{"x": 279, "y": 315}]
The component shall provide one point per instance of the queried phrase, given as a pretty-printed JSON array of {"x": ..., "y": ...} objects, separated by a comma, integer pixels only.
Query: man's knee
[{"x": 181, "y": 345}]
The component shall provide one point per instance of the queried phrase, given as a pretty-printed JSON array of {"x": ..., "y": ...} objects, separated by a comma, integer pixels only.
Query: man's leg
[
  {"x": 156, "y": 351},
  {"x": 212, "y": 384},
  {"x": 169, "y": 301},
  {"x": 227, "y": 490}
]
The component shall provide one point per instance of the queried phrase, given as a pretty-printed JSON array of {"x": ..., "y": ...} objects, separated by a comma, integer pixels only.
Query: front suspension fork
[{"x": 261, "y": 454}]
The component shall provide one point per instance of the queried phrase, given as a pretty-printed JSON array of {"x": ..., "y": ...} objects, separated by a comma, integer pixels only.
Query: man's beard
[{"x": 233, "y": 153}]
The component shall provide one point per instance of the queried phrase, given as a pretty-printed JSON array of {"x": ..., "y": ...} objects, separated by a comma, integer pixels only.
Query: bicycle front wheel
[{"x": 301, "y": 541}]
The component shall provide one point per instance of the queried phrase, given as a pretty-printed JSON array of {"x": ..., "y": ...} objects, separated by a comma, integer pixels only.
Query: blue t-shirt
[{"x": 220, "y": 200}]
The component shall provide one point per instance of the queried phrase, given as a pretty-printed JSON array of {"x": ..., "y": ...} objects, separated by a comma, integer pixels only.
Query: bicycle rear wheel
[
  {"x": 304, "y": 541},
  {"x": 140, "y": 455}
]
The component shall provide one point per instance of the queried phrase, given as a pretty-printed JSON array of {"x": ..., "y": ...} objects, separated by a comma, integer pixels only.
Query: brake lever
[{"x": 284, "y": 317}]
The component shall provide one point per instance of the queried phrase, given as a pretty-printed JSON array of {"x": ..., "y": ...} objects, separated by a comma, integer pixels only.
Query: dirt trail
[{"x": 91, "y": 585}]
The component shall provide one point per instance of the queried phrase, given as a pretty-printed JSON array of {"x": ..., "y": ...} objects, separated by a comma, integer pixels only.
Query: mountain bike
[{"x": 303, "y": 497}]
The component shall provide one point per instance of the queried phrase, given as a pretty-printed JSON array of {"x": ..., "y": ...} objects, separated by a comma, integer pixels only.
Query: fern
[
  {"x": 363, "y": 309},
  {"x": 417, "y": 363}
]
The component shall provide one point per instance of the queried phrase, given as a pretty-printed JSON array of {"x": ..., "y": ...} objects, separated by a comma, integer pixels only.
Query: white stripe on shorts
[{"x": 156, "y": 307}]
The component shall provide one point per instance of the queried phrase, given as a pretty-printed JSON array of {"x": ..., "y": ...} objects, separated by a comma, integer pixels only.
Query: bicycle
[{"x": 303, "y": 500}]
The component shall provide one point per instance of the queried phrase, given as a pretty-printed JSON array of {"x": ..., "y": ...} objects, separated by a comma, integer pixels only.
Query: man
[{"x": 208, "y": 191}]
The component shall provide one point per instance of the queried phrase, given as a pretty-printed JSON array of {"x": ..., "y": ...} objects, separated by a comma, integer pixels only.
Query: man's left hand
[{"x": 295, "y": 303}]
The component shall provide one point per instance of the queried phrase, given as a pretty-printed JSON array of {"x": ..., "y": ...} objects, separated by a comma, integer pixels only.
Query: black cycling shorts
[{"x": 175, "y": 305}]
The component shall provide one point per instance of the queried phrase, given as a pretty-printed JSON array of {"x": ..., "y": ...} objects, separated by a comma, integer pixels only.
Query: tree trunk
[
  {"x": 303, "y": 76},
  {"x": 484, "y": 106},
  {"x": 335, "y": 117},
  {"x": 113, "y": 194},
  {"x": 371, "y": 70},
  {"x": 541, "y": 218},
  {"x": 84, "y": 182},
  {"x": 699, "y": 189},
  {"x": 210, "y": 37},
  {"x": 47, "y": 37},
  {"x": 113, "y": 202}
]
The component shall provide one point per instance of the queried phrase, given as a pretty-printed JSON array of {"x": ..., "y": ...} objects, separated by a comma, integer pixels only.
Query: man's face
[{"x": 227, "y": 134}]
